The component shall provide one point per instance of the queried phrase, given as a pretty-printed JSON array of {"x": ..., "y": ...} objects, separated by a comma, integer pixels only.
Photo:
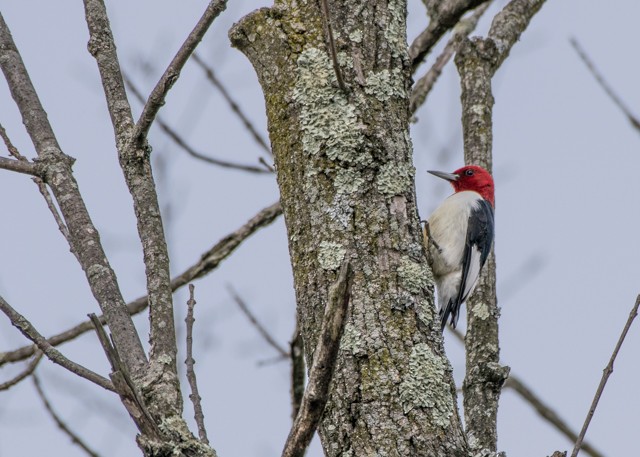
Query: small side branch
[
  {"x": 124, "y": 386},
  {"x": 29, "y": 331},
  {"x": 605, "y": 376},
  {"x": 254, "y": 321},
  {"x": 75, "y": 439},
  {"x": 603, "y": 83},
  {"x": 191, "y": 373},
  {"x": 317, "y": 392},
  {"x": 172, "y": 73},
  {"x": 19, "y": 166}
]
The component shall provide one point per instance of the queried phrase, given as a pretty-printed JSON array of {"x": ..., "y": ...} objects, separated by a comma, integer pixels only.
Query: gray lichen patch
[
  {"x": 425, "y": 386},
  {"x": 329, "y": 123},
  {"x": 330, "y": 255},
  {"x": 413, "y": 276},
  {"x": 352, "y": 341},
  {"x": 385, "y": 84},
  {"x": 481, "y": 310},
  {"x": 395, "y": 178},
  {"x": 395, "y": 30},
  {"x": 348, "y": 181}
]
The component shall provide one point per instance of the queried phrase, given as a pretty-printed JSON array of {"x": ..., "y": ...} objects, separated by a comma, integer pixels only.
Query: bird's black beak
[{"x": 441, "y": 174}]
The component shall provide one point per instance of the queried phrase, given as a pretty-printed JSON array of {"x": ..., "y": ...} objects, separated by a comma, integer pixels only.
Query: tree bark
[{"x": 343, "y": 159}]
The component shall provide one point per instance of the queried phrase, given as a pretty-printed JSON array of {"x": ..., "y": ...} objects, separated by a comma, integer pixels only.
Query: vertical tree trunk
[{"x": 343, "y": 156}]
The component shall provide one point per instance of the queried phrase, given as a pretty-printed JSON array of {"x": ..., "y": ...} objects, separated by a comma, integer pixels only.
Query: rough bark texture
[
  {"x": 346, "y": 179},
  {"x": 477, "y": 61}
]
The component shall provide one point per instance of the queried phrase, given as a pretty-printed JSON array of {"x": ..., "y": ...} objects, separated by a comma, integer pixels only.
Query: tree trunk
[{"x": 339, "y": 132}]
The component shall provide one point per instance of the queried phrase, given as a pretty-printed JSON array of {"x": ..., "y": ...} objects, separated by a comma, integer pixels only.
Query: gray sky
[{"x": 566, "y": 166}]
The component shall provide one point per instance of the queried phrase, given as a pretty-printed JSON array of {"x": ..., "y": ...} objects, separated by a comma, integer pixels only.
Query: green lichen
[
  {"x": 395, "y": 178},
  {"x": 425, "y": 386},
  {"x": 330, "y": 255},
  {"x": 385, "y": 84},
  {"x": 329, "y": 123}
]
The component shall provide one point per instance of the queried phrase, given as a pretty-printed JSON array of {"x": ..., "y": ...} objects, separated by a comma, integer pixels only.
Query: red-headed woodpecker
[{"x": 460, "y": 237}]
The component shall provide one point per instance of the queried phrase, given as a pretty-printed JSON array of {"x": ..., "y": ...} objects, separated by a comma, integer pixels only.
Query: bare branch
[
  {"x": 424, "y": 85},
  {"x": 326, "y": 15},
  {"x": 298, "y": 374},
  {"x": 75, "y": 439},
  {"x": 443, "y": 18},
  {"x": 603, "y": 83},
  {"x": 208, "y": 262},
  {"x": 28, "y": 330},
  {"x": 324, "y": 357},
  {"x": 172, "y": 73},
  {"x": 254, "y": 321},
  {"x": 191, "y": 373},
  {"x": 264, "y": 144},
  {"x": 30, "y": 368},
  {"x": 134, "y": 157},
  {"x": 605, "y": 376},
  {"x": 180, "y": 141},
  {"x": 20, "y": 166},
  {"x": 58, "y": 175}
]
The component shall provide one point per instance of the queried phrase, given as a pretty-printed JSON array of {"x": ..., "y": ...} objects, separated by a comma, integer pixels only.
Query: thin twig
[
  {"x": 326, "y": 13},
  {"x": 254, "y": 321},
  {"x": 298, "y": 374},
  {"x": 603, "y": 83},
  {"x": 29, "y": 331},
  {"x": 181, "y": 142},
  {"x": 424, "y": 85},
  {"x": 542, "y": 408},
  {"x": 75, "y": 439},
  {"x": 30, "y": 368},
  {"x": 605, "y": 376},
  {"x": 191, "y": 373},
  {"x": 547, "y": 413},
  {"x": 172, "y": 73},
  {"x": 10, "y": 147},
  {"x": 262, "y": 142},
  {"x": 324, "y": 357},
  {"x": 208, "y": 262}
]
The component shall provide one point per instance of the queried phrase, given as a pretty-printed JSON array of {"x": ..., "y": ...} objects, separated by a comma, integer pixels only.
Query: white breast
[{"x": 448, "y": 228}]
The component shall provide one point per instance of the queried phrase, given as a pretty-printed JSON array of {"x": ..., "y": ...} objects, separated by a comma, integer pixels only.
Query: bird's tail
[{"x": 450, "y": 309}]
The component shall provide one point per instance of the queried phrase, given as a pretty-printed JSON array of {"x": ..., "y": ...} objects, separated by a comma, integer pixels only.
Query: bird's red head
[{"x": 471, "y": 177}]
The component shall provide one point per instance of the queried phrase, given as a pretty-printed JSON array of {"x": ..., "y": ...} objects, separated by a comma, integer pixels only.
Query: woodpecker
[{"x": 460, "y": 235}]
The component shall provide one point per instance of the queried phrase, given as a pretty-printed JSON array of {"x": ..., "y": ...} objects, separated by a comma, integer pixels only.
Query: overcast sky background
[{"x": 566, "y": 165}]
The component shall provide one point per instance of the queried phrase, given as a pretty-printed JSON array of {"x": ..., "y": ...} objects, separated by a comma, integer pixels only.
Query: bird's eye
[{"x": 469, "y": 172}]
